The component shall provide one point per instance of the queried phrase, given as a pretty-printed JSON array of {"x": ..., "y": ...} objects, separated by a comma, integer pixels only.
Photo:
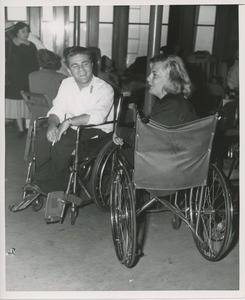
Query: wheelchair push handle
[{"x": 143, "y": 117}]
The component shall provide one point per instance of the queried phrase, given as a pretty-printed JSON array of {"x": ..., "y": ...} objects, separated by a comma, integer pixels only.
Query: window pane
[
  {"x": 139, "y": 14},
  {"x": 83, "y": 34},
  {"x": 145, "y": 14},
  {"x": 133, "y": 46},
  {"x": 164, "y": 35},
  {"x": 48, "y": 13},
  {"x": 207, "y": 15},
  {"x": 71, "y": 13},
  {"x": 204, "y": 38},
  {"x": 140, "y": 34},
  {"x": 138, "y": 45},
  {"x": 83, "y": 13},
  {"x": 133, "y": 31},
  {"x": 70, "y": 34},
  {"x": 47, "y": 35},
  {"x": 106, "y": 13},
  {"x": 165, "y": 14},
  {"x": 143, "y": 42},
  {"x": 105, "y": 39},
  {"x": 16, "y": 13},
  {"x": 134, "y": 14}
]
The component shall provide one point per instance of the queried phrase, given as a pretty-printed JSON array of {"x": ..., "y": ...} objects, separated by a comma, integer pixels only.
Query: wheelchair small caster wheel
[
  {"x": 176, "y": 221},
  {"x": 37, "y": 204}
]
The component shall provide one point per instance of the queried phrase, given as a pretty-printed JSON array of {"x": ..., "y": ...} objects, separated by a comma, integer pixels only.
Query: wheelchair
[
  {"x": 172, "y": 166},
  {"x": 89, "y": 179}
]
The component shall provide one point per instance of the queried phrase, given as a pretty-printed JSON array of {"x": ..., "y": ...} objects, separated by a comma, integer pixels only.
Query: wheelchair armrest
[
  {"x": 143, "y": 117},
  {"x": 41, "y": 118},
  {"x": 37, "y": 121},
  {"x": 94, "y": 125}
]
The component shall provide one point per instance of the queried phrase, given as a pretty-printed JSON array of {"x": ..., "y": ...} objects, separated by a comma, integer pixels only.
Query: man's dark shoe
[{"x": 36, "y": 188}]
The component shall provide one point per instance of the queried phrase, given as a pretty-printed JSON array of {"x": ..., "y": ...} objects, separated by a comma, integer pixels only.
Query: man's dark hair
[{"x": 72, "y": 51}]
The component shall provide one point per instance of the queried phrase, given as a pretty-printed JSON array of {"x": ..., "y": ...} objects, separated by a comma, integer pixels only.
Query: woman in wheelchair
[
  {"x": 168, "y": 157},
  {"x": 170, "y": 83}
]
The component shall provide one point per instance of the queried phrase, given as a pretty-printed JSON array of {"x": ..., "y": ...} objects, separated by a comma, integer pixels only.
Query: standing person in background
[
  {"x": 20, "y": 62},
  {"x": 46, "y": 80}
]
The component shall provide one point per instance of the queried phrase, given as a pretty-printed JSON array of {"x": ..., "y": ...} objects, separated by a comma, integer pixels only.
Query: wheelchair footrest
[
  {"x": 82, "y": 200},
  {"x": 24, "y": 203},
  {"x": 55, "y": 207},
  {"x": 73, "y": 199}
]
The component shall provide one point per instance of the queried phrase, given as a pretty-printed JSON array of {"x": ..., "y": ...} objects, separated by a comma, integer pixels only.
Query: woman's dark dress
[
  {"x": 171, "y": 110},
  {"x": 20, "y": 62}
]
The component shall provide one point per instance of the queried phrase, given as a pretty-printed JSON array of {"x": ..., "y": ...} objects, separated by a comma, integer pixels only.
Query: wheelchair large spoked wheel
[
  {"x": 101, "y": 176},
  {"x": 215, "y": 223},
  {"x": 123, "y": 217}
]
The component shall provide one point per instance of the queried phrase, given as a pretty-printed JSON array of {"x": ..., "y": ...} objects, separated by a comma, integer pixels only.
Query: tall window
[
  {"x": 105, "y": 30},
  {"x": 48, "y": 29},
  {"x": 83, "y": 26},
  {"x": 165, "y": 18},
  {"x": 138, "y": 30},
  {"x": 204, "y": 28}
]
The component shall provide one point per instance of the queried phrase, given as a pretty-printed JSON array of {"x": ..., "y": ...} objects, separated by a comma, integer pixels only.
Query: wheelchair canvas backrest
[
  {"x": 38, "y": 104},
  {"x": 173, "y": 158}
]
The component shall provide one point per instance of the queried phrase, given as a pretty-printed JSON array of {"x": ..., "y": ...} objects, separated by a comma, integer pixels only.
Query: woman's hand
[
  {"x": 52, "y": 133},
  {"x": 117, "y": 140}
]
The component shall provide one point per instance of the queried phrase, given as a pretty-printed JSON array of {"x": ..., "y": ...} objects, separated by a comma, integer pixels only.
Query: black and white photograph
[{"x": 121, "y": 169}]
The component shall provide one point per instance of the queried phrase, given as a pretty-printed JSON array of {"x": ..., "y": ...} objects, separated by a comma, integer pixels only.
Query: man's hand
[
  {"x": 62, "y": 128},
  {"x": 52, "y": 133},
  {"x": 117, "y": 140}
]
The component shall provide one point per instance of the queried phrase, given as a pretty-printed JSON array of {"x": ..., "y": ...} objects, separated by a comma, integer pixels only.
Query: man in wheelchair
[
  {"x": 170, "y": 83},
  {"x": 82, "y": 99}
]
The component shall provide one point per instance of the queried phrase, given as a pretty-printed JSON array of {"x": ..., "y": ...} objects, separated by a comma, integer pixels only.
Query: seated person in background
[
  {"x": 233, "y": 75},
  {"x": 231, "y": 108},
  {"x": 46, "y": 80},
  {"x": 108, "y": 70},
  {"x": 134, "y": 79},
  {"x": 82, "y": 99},
  {"x": 170, "y": 83},
  {"x": 97, "y": 69},
  {"x": 171, "y": 50}
]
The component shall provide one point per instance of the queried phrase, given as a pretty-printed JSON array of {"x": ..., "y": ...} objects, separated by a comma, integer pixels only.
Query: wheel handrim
[
  {"x": 123, "y": 220},
  {"x": 215, "y": 220}
]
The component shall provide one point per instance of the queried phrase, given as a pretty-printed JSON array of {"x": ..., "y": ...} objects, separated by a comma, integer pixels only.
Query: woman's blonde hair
[{"x": 179, "y": 81}]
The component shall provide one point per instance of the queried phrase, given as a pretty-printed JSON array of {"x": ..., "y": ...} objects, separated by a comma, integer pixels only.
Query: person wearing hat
[
  {"x": 46, "y": 80},
  {"x": 20, "y": 61}
]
